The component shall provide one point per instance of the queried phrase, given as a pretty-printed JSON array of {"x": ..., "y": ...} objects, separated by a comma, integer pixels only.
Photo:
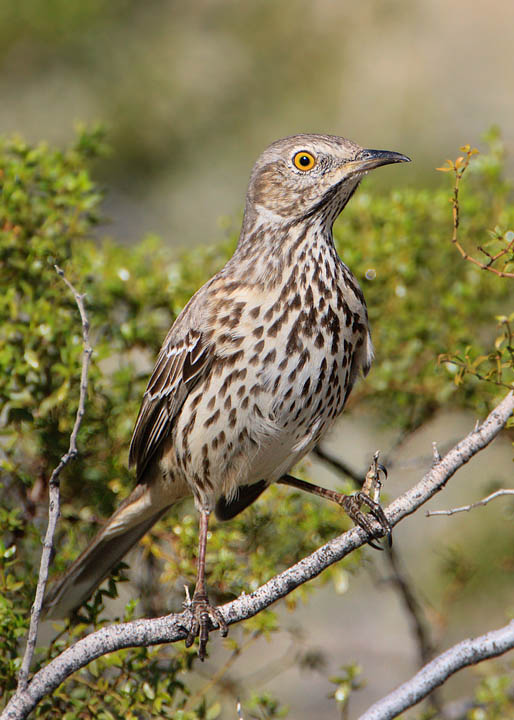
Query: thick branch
[
  {"x": 171, "y": 628},
  {"x": 467, "y": 652},
  {"x": 54, "y": 499}
]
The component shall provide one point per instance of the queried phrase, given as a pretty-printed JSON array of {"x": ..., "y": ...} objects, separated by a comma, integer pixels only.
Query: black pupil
[{"x": 304, "y": 160}]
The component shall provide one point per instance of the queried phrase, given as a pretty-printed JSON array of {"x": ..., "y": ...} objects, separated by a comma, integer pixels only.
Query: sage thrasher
[{"x": 254, "y": 370}]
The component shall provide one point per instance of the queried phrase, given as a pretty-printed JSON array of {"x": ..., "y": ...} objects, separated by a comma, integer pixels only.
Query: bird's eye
[{"x": 304, "y": 160}]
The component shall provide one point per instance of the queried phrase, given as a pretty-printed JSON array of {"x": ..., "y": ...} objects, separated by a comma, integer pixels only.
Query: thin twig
[
  {"x": 416, "y": 613},
  {"x": 459, "y": 167},
  {"x": 338, "y": 465},
  {"x": 54, "y": 496},
  {"x": 465, "y": 653},
  {"x": 467, "y": 508},
  {"x": 239, "y": 711},
  {"x": 400, "y": 581},
  {"x": 172, "y": 628},
  {"x": 412, "y": 605}
]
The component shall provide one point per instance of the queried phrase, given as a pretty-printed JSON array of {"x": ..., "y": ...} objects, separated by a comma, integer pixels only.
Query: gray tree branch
[
  {"x": 472, "y": 506},
  {"x": 171, "y": 628},
  {"x": 399, "y": 579},
  {"x": 467, "y": 652},
  {"x": 54, "y": 496}
]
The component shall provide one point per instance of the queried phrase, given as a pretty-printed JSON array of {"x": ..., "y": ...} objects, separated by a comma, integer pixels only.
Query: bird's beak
[{"x": 369, "y": 159}]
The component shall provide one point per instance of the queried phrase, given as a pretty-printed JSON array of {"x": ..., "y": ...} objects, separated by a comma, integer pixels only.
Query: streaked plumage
[{"x": 258, "y": 364}]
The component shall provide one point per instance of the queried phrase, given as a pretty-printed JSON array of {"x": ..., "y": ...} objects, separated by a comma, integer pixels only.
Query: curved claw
[
  {"x": 204, "y": 617},
  {"x": 352, "y": 504},
  {"x": 375, "y": 546},
  {"x": 382, "y": 468}
]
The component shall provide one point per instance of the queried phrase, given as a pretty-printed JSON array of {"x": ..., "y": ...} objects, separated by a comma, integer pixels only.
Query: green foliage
[
  {"x": 494, "y": 697},
  {"x": 497, "y": 366},
  {"x": 423, "y": 300},
  {"x": 16, "y": 596},
  {"x": 347, "y": 682},
  {"x": 138, "y": 684},
  {"x": 263, "y": 706}
]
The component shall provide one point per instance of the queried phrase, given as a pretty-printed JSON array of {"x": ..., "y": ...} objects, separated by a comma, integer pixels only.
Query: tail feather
[{"x": 127, "y": 525}]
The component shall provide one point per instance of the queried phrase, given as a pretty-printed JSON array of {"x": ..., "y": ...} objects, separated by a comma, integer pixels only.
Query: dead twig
[
  {"x": 54, "y": 495},
  {"x": 467, "y": 508}
]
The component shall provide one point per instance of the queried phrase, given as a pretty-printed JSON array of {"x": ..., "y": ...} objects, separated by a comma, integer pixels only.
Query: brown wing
[{"x": 181, "y": 363}]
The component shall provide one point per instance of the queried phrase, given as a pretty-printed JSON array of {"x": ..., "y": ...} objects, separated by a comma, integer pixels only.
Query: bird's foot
[
  {"x": 352, "y": 504},
  {"x": 204, "y": 617}
]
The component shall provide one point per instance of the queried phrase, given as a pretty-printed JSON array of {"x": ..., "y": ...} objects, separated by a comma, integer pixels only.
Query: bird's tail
[{"x": 135, "y": 516}]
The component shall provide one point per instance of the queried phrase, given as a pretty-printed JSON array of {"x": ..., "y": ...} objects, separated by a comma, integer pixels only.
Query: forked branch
[
  {"x": 471, "y": 506},
  {"x": 171, "y": 628},
  {"x": 54, "y": 495}
]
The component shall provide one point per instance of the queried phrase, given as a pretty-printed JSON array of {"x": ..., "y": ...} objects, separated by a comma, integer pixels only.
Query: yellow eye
[{"x": 304, "y": 160}]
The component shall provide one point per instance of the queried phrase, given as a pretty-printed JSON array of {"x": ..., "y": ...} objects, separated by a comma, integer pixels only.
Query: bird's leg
[
  {"x": 203, "y": 613},
  {"x": 369, "y": 495},
  {"x": 352, "y": 504}
]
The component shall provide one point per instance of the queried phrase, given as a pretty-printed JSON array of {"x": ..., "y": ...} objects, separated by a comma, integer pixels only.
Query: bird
[{"x": 254, "y": 370}]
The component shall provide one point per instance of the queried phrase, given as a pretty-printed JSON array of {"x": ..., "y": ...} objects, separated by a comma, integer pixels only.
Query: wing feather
[{"x": 181, "y": 363}]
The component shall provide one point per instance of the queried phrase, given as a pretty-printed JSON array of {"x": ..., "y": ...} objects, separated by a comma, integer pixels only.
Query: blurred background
[{"x": 190, "y": 93}]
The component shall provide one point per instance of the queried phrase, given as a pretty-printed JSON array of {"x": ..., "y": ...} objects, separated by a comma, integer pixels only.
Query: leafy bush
[{"x": 423, "y": 301}]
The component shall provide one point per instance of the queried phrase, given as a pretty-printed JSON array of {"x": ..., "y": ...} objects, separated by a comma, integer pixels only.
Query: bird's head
[{"x": 305, "y": 176}]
